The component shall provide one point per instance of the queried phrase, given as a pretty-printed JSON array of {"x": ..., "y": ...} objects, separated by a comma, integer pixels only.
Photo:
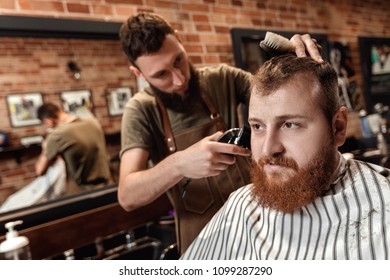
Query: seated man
[{"x": 306, "y": 201}]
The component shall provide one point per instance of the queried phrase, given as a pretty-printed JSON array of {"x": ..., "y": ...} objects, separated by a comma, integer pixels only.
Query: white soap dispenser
[{"x": 14, "y": 247}]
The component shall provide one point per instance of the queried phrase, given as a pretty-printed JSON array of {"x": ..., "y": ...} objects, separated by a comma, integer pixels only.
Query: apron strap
[
  {"x": 170, "y": 140},
  {"x": 214, "y": 115}
]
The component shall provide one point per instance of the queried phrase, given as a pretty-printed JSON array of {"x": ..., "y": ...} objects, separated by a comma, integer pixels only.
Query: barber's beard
[
  {"x": 301, "y": 188},
  {"x": 174, "y": 101}
]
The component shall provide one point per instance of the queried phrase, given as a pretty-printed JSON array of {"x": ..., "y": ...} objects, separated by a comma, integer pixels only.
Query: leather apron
[{"x": 203, "y": 197}]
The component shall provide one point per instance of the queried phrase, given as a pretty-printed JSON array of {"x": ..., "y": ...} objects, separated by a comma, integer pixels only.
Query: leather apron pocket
[
  {"x": 199, "y": 194},
  {"x": 205, "y": 196}
]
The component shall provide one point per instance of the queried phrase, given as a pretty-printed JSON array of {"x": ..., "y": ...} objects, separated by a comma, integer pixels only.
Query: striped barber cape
[{"x": 352, "y": 221}]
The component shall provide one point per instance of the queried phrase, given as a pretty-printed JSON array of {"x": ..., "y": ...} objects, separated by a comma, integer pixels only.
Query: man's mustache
[{"x": 278, "y": 160}]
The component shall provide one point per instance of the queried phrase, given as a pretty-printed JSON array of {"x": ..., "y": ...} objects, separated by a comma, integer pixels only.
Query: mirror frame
[
  {"x": 24, "y": 26},
  {"x": 39, "y": 27},
  {"x": 371, "y": 80}
]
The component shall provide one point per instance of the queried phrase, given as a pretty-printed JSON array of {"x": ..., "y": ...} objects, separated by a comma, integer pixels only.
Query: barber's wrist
[{"x": 173, "y": 161}]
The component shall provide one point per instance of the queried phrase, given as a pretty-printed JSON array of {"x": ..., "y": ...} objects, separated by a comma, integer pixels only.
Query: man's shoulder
[
  {"x": 222, "y": 71},
  {"x": 141, "y": 100},
  {"x": 371, "y": 173},
  {"x": 57, "y": 135},
  {"x": 215, "y": 68},
  {"x": 242, "y": 194}
]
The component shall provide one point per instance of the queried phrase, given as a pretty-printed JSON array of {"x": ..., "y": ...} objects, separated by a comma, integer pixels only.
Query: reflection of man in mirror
[{"x": 80, "y": 142}]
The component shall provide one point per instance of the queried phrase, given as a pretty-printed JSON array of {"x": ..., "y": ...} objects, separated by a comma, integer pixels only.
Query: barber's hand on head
[
  {"x": 208, "y": 157},
  {"x": 304, "y": 44}
]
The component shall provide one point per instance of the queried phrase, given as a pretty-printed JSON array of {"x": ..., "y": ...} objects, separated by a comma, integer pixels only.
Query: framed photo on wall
[
  {"x": 117, "y": 99},
  {"x": 375, "y": 61},
  {"x": 22, "y": 108},
  {"x": 77, "y": 102}
]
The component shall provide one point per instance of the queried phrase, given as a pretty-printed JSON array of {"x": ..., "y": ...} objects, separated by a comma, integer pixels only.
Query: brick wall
[{"x": 27, "y": 65}]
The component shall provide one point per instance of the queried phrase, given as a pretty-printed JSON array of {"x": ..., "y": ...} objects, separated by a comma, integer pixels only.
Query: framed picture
[
  {"x": 247, "y": 52},
  {"x": 117, "y": 99},
  {"x": 375, "y": 60},
  {"x": 22, "y": 108},
  {"x": 77, "y": 102}
]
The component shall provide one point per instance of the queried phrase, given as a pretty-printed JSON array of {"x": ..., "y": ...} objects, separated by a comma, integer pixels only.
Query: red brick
[
  {"x": 222, "y": 29},
  {"x": 237, "y": 3},
  {"x": 196, "y": 59},
  {"x": 7, "y": 4},
  {"x": 195, "y": 7},
  {"x": 203, "y": 27},
  {"x": 200, "y": 18},
  {"x": 163, "y": 4},
  {"x": 130, "y": 2},
  {"x": 193, "y": 48},
  {"x": 211, "y": 59},
  {"x": 191, "y": 38},
  {"x": 53, "y": 6},
  {"x": 78, "y": 8}
]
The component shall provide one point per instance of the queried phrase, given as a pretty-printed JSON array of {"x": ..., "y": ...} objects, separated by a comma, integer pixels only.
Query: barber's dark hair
[
  {"x": 281, "y": 69},
  {"x": 48, "y": 111},
  {"x": 143, "y": 34}
]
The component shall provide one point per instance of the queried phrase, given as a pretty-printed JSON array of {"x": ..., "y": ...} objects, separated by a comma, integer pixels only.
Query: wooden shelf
[{"x": 18, "y": 152}]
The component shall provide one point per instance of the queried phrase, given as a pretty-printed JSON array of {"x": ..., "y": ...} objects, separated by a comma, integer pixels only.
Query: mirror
[{"x": 35, "y": 57}]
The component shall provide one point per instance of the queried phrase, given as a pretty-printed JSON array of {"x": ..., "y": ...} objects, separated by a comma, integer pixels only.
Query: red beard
[{"x": 301, "y": 188}]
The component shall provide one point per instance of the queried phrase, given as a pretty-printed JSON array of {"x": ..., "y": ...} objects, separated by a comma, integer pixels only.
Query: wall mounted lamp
[{"x": 75, "y": 70}]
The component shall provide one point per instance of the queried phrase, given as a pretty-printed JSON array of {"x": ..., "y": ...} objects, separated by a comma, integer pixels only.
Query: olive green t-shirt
[
  {"x": 142, "y": 127},
  {"x": 81, "y": 143}
]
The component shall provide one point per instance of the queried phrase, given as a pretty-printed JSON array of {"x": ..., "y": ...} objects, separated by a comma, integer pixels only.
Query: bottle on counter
[
  {"x": 366, "y": 130},
  {"x": 14, "y": 247}
]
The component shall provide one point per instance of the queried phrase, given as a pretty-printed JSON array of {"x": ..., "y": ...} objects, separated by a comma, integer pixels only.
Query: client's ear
[{"x": 339, "y": 125}]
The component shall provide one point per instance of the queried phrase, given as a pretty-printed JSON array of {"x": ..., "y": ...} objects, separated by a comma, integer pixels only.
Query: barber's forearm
[
  {"x": 41, "y": 165},
  {"x": 143, "y": 187}
]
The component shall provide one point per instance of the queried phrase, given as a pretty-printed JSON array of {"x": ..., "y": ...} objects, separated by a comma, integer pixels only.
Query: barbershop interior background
[{"x": 53, "y": 65}]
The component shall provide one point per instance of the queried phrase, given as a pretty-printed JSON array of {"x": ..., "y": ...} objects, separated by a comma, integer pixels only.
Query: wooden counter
[{"x": 54, "y": 237}]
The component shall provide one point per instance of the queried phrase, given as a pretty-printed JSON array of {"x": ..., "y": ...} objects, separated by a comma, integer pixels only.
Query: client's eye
[
  {"x": 257, "y": 126},
  {"x": 290, "y": 125}
]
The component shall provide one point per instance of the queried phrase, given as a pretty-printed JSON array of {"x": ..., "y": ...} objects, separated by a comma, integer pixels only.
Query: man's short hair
[
  {"x": 143, "y": 34},
  {"x": 48, "y": 111},
  {"x": 279, "y": 70}
]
